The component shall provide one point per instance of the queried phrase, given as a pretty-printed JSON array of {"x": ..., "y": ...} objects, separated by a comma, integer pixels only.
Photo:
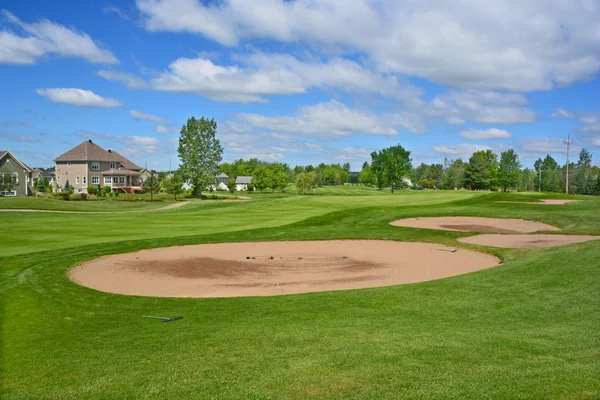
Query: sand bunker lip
[
  {"x": 526, "y": 241},
  {"x": 475, "y": 224},
  {"x": 223, "y": 270},
  {"x": 542, "y": 202}
]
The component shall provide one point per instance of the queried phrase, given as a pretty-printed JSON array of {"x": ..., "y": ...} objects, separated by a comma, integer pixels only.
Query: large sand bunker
[
  {"x": 526, "y": 241},
  {"x": 275, "y": 268},
  {"x": 475, "y": 224}
]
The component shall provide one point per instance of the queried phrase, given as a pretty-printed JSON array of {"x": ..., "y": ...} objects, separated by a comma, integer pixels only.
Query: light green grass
[
  {"x": 527, "y": 329},
  {"x": 115, "y": 204}
]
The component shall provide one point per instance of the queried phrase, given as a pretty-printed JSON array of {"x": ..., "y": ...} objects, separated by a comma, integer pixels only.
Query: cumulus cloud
[
  {"x": 514, "y": 45},
  {"x": 129, "y": 80},
  {"x": 78, "y": 97},
  {"x": 483, "y": 134},
  {"x": 134, "y": 146},
  {"x": 48, "y": 38},
  {"x": 544, "y": 145},
  {"x": 463, "y": 150},
  {"x": 18, "y": 138},
  {"x": 259, "y": 75},
  {"x": 147, "y": 117},
  {"x": 327, "y": 120},
  {"x": 161, "y": 129}
]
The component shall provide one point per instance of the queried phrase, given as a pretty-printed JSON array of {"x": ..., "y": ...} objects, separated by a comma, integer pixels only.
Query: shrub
[
  {"x": 116, "y": 194},
  {"x": 65, "y": 195},
  {"x": 92, "y": 197},
  {"x": 92, "y": 190},
  {"x": 39, "y": 194}
]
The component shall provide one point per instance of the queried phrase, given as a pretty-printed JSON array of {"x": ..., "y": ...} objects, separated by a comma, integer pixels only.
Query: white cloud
[
  {"x": 117, "y": 11},
  {"x": 78, "y": 97},
  {"x": 18, "y": 138},
  {"x": 136, "y": 147},
  {"x": 480, "y": 134},
  {"x": 513, "y": 44},
  {"x": 562, "y": 113},
  {"x": 129, "y": 80},
  {"x": 147, "y": 117},
  {"x": 161, "y": 129},
  {"x": 543, "y": 145},
  {"x": 596, "y": 142},
  {"x": 328, "y": 120},
  {"x": 464, "y": 150},
  {"x": 46, "y": 37}
]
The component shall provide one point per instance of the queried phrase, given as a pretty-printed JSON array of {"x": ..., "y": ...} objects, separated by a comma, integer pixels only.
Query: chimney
[{"x": 90, "y": 140}]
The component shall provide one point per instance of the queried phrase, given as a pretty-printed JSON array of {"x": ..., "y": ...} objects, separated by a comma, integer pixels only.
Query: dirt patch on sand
[
  {"x": 275, "y": 268},
  {"x": 475, "y": 224},
  {"x": 526, "y": 241},
  {"x": 542, "y": 202}
]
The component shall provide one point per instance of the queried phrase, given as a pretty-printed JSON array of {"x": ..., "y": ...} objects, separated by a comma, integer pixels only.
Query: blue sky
[{"x": 300, "y": 81}]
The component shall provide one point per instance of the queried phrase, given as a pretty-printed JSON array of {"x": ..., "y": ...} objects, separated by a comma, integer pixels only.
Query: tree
[
  {"x": 491, "y": 162},
  {"x": 200, "y": 152},
  {"x": 260, "y": 178},
  {"x": 477, "y": 174},
  {"x": 151, "y": 184},
  {"x": 39, "y": 185},
  {"x": 174, "y": 185},
  {"x": 509, "y": 170},
  {"x": 305, "y": 182},
  {"x": 366, "y": 176},
  {"x": 67, "y": 188},
  {"x": 278, "y": 176},
  {"x": 583, "y": 178},
  {"x": 395, "y": 162},
  {"x": 455, "y": 174},
  {"x": 231, "y": 184}
]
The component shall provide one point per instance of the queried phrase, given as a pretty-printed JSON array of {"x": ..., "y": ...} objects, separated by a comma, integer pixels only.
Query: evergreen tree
[
  {"x": 477, "y": 173},
  {"x": 151, "y": 184}
]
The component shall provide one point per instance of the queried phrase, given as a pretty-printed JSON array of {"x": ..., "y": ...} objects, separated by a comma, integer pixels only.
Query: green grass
[
  {"x": 527, "y": 329},
  {"x": 116, "y": 204}
]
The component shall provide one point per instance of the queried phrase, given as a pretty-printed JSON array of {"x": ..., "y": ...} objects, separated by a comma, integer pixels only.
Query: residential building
[
  {"x": 90, "y": 165},
  {"x": 242, "y": 182},
  {"x": 21, "y": 175}
]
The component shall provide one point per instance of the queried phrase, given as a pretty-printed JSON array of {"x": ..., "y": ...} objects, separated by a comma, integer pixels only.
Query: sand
[
  {"x": 475, "y": 224},
  {"x": 526, "y": 241},
  {"x": 542, "y": 202},
  {"x": 222, "y": 270}
]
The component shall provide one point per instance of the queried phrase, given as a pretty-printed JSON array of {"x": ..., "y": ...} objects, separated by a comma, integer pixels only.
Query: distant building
[
  {"x": 242, "y": 182},
  {"x": 20, "y": 173}
]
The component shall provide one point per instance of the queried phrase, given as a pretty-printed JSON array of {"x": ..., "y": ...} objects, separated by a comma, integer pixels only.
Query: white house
[{"x": 242, "y": 182}]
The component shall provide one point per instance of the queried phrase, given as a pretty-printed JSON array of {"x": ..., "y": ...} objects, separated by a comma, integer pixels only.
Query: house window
[
  {"x": 77, "y": 180},
  {"x": 95, "y": 166},
  {"x": 116, "y": 179},
  {"x": 95, "y": 180},
  {"x": 69, "y": 164},
  {"x": 79, "y": 190},
  {"x": 107, "y": 179},
  {"x": 85, "y": 180},
  {"x": 58, "y": 179},
  {"x": 122, "y": 179},
  {"x": 13, "y": 193},
  {"x": 113, "y": 165}
]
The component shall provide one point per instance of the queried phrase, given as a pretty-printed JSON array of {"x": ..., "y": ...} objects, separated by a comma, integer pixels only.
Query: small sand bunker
[
  {"x": 542, "y": 202},
  {"x": 275, "y": 268},
  {"x": 526, "y": 241},
  {"x": 475, "y": 224}
]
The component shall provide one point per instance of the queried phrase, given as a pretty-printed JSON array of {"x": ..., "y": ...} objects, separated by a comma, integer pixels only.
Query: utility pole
[
  {"x": 540, "y": 181},
  {"x": 568, "y": 142}
]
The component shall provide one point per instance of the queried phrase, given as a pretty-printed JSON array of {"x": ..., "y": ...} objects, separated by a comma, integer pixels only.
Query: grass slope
[{"x": 527, "y": 329}]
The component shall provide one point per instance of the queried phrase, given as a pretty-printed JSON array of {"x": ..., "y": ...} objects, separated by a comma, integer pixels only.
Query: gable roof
[
  {"x": 5, "y": 152},
  {"x": 90, "y": 151},
  {"x": 243, "y": 179},
  {"x": 222, "y": 175},
  {"x": 87, "y": 151}
]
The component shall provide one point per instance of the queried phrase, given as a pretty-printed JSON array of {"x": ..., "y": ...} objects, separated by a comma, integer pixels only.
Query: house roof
[
  {"x": 5, "y": 152},
  {"x": 127, "y": 164},
  {"x": 88, "y": 151},
  {"x": 222, "y": 175},
  {"x": 243, "y": 179},
  {"x": 36, "y": 173}
]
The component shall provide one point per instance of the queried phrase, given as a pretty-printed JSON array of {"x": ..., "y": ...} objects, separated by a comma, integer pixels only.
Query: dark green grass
[{"x": 527, "y": 329}]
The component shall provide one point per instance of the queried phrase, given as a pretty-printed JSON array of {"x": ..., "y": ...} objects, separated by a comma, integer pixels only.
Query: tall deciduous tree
[
  {"x": 200, "y": 152},
  {"x": 509, "y": 170},
  {"x": 393, "y": 163},
  {"x": 477, "y": 173},
  {"x": 584, "y": 180},
  {"x": 260, "y": 178},
  {"x": 491, "y": 162},
  {"x": 278, "y": 176}
]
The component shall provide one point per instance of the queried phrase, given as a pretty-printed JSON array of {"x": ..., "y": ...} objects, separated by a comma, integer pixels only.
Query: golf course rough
[{"x": 275, "y": 268}]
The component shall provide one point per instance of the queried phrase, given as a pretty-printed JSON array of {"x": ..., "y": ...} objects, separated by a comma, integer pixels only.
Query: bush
[
  {"x": 92, "y": 197},
  {"x": 116, "y": 194},
  {"x": 92, "y": 190},
  {"x": 65, "y": 195},
  {"x": 39, "y": 194}
]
